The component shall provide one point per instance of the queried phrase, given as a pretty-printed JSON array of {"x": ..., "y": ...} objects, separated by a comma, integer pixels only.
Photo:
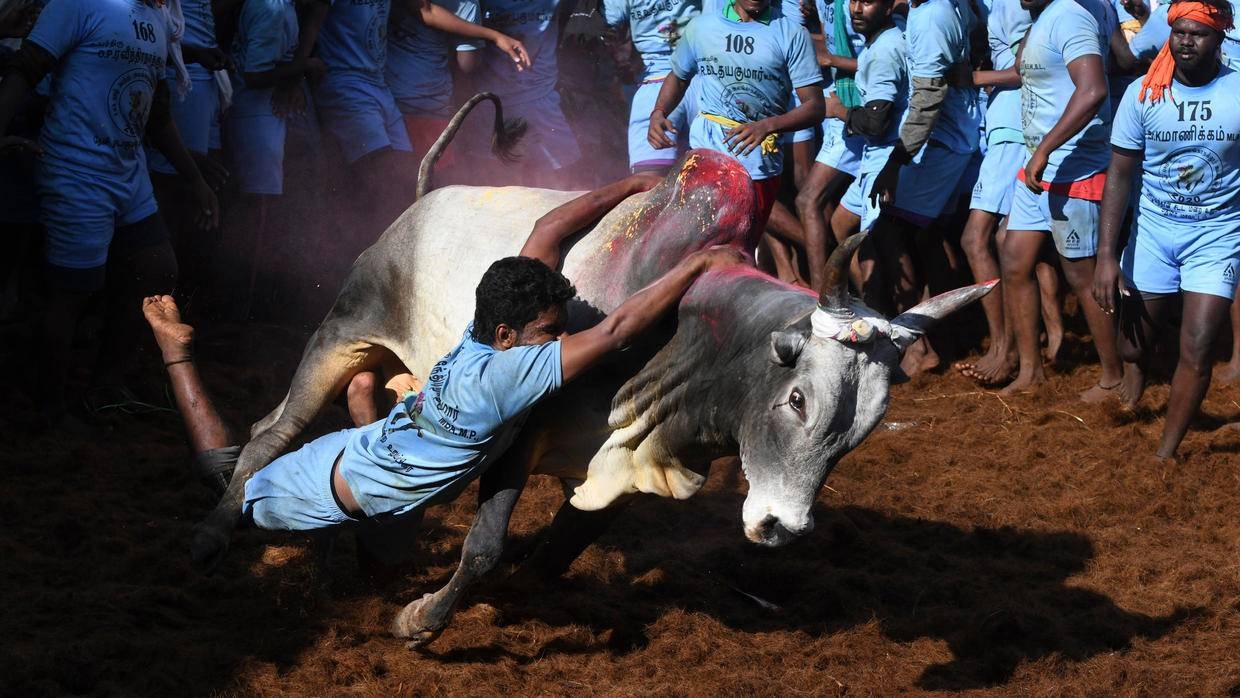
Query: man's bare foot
[
  {"x": 1054, "y": 342},
  {"x": 919, "y": 357},
  {"x": 1230, "y": 373},
  {"x": 994, "y": 368},
  {"x": 1132, "y": 387},
  {"x": 175, "y": 338},
  {"x": 1024, "y": 383},
  {"x": 1101, "y": 393}
]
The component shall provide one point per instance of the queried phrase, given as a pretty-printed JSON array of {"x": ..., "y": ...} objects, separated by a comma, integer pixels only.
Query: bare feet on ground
[
  {"x": 174, "y": 337},
  {"x": 993, "y": 368},
  {"x": 1024, "y": 383},
  {"x": 1054, "y": 341},
  {"x": 919, "y": 358},
  {"x": 1100, "y": 393},
  {"x": 1229, "y": 373}
]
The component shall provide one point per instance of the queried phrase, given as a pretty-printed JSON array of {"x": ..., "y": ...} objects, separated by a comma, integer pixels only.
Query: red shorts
[
  {"x": 766, "y": 191},
  {"x": 423, "y": 132}
]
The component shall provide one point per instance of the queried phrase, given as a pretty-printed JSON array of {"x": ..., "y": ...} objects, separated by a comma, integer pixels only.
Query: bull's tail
[{"x": 504, "y": 138}]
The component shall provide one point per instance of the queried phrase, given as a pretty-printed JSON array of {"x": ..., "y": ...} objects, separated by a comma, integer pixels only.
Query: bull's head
[{"x": 823, "y": 391}]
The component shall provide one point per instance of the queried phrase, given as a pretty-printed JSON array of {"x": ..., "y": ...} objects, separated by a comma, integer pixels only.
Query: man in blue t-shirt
[
  {"x": 1066, "y": 121},
  {"x": 107, "y": 61},
  {"x": 1181, "y": 138}
]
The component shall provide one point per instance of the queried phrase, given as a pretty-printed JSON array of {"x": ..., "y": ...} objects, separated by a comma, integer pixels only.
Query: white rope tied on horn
[{"x": 856, "y": 324}]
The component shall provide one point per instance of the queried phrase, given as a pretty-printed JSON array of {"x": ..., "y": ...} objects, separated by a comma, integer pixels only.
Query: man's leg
[
  {"x": 997, "y": 363},
  {"x": 810, "y": 202},
  {"x": 1231, "y": 372},
  {"x": 1203, "y": 315},
  {"x": 1080, "y": 276},
  {"x": 1052, "y": 303},
  {"x": 1018, "y": 257},
  {"x": 209, "y": 437},
  {"x": 1142, "y": 318}
]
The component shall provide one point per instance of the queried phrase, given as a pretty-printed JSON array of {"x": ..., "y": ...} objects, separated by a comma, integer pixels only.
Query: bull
[{"x": 751, "y": 366}]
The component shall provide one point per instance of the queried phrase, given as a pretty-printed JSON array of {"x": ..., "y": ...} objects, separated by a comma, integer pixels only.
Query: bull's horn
[
  {"x": 835, "y": 278},
  {"x": 922, "y": 317}
]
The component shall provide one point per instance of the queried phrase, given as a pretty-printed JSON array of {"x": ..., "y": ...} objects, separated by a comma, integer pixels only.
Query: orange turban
[{"x": 1158, "y": 79}]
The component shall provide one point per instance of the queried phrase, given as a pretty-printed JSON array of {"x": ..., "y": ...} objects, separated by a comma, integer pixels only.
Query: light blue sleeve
[
  {"x": 929, "y": 51},
  {"x": 1075, "y": 34},
  {"x": 1127, "y": 130},
  {"x": 61, "y": 26},
  {"x": 519, "y": 377},
  {"x": 1120, "y": 13},
  {"x": 791, "y": 9},
  {"x": 468, "y": 11},
  {"x": 264, "y": 29},
  {"x": 887, "y": 78},
  {"x": 1149, "y": 41},
  {"x": 803, "y": 67},
  {"x": 615, "y": 11},
  {"x": 684, "y": 57}
]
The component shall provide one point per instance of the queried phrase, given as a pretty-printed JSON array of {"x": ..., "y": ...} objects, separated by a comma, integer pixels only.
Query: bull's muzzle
[{"x": 773, "y": 532}]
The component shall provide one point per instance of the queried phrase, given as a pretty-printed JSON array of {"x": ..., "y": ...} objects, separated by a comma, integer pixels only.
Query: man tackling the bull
[{"x": 434, "y": 442}]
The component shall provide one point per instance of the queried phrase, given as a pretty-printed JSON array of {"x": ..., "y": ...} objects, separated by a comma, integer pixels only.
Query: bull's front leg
[{"x": 423, "y": 620}]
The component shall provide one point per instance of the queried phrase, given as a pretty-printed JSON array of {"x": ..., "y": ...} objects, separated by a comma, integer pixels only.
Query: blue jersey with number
[
  {"x": 1191, "y": 140},
  {"x": 937, "y": 36},
  {"x": 747, "y": 71},
  {"x": 110, "y": 55},
  {"x": 1064, "y": 32},
  {"x": 417, "y": 62},
  {"x": 882, "y": 75},
  {"x": 656, "y": 26},
  {"x": 354, "y": 36}
]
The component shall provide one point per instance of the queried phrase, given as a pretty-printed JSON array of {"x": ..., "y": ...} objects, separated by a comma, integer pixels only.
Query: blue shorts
[
  {"x": 256, "y": 144},
  {"x": 294, "y": 492},
  {"x": 928, "y": 183},
  {"x": 197, "y": 118},
  {"x": 641, "y": 153},
  {"x": 838, "y": 151},
  {"x": 993, "y": 191},
  {"x": 82, "y": 210},
  {"x": 548, "y": 138},
  {"x": 361, "y": 113},
  {"x": 968, "y": 180},
  {"x": 1164, "y": 257},
  {"x": 857, "y": 200},
  {"x": 1073, "y": 223}
]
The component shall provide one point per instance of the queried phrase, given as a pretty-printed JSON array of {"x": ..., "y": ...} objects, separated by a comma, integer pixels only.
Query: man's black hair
[{"x": 513, "y": 292}]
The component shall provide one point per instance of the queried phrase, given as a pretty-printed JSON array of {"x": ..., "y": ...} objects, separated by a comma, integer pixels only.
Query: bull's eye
[{"x": 797, "y": 401}]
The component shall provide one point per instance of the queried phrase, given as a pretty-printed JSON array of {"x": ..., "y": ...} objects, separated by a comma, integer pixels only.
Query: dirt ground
[{"x": 1007, "y": 546}]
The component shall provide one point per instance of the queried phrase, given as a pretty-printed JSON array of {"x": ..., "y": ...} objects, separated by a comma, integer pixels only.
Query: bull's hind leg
[{"x": 325, "y": 369}]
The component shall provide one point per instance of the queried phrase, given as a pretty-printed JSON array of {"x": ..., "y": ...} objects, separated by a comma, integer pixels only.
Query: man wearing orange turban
[{"x": 1181, "y": 126}]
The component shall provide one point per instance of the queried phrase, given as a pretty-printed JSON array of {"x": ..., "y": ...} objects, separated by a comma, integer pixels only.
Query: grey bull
[{"x": 751, "y": 366}]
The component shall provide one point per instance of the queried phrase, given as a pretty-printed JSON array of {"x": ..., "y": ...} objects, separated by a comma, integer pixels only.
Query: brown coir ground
[{"x": 1014, "y": 546}]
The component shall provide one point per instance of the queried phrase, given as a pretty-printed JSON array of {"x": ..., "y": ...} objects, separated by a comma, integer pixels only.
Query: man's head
[
  {"x": 751, "y": 8},
  {"x": 520, "y": 301},
  {"x": 869, "y": 17},
  {"x": 1195, "y": 45}
]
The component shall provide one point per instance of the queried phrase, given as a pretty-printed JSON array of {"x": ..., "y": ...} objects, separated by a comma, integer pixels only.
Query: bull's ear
[{"x": 786, "y": 346}]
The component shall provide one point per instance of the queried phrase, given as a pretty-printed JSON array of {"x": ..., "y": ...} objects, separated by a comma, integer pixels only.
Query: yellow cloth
[{"x": 770, "y": 144}]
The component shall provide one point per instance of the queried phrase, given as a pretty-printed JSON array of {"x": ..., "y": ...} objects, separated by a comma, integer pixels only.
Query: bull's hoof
[
  {"x": 411, "y": 624},
  {"x": 208, "y": 548}
]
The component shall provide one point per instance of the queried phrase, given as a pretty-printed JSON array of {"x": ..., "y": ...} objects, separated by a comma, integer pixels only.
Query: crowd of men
[{"x": 1036, "y": 141}]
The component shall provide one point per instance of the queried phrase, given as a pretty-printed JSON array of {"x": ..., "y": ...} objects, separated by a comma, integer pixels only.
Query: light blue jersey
[
  {"x": 417, "y": 62},
  {"x": 882, "y": 75},
  {"x": 436, "y": 442},
  {"x": 1064, "y": 32},
  {"x": 1191, "y": 140},
  {"x": 110, "y": 56},
  {"x": 656, "y": 26},
  {"x": 354, "y": 36},
  {"x": 747, "y": 72},
  {"x": 532, "y": 22},
  {"x": 1007, "y": 25},
  {"x": 266, "y": 36},
  {"x": 938, "y": 39},
  {"x": 826, "y": 15}
]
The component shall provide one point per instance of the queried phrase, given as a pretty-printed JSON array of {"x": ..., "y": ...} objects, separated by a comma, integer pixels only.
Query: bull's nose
[{"x": 773, "y": 531}]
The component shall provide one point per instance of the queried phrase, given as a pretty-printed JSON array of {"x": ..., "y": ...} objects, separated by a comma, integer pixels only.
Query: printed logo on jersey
[
  {"x": 376, "y": 37},
  {"x": 744, "y": 100},
  {"x": 129, "y": 101},
  {"x": 1190, "y": 174}
]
